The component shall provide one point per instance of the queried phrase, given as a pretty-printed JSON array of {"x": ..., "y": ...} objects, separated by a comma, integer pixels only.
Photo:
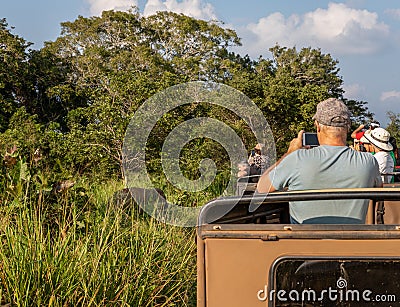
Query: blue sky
[{"x": 364, "y": 35}]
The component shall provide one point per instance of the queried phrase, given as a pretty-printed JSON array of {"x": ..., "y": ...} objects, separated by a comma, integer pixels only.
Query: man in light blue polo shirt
[{"x": 330, "y": 165}]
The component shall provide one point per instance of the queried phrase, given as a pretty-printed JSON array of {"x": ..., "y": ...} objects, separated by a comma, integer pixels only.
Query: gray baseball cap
[{"x": 333, "y": 112}]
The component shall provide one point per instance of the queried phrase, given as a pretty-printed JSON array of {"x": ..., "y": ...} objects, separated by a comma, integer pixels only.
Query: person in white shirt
[{"x": 379, "y": 138}]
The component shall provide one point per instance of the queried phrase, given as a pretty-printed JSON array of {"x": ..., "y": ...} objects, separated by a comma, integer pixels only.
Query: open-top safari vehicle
[{"x": 250, "y": 255}]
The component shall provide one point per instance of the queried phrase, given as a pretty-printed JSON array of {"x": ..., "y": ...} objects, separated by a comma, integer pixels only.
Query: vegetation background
[{"x": 65, "y": 238}]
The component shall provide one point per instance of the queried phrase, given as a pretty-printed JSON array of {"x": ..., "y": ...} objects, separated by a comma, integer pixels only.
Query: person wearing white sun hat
[{"x": 379, "y": 139}]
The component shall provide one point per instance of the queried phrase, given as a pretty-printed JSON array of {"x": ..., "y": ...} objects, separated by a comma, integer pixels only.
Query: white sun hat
[{"x": 379, "y": 137}]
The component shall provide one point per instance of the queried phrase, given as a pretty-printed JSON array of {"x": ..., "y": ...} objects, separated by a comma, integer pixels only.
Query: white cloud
[
  {"x": 354, "y": 91},
  {"x": 339, "y": 29},
  {"x": 393, "y": 12},
  {"x": 194, "y": 8},
  {"x": 390, "y": 95},
  {"x": 98, "y": 6}
]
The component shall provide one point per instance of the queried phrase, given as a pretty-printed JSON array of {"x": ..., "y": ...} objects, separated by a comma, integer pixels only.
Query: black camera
[
  {"x": 310, "y": 139},
  {"x": 371, "y": 125}
]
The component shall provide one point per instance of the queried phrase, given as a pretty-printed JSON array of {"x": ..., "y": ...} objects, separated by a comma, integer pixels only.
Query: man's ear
[{"x": 317, "y": 126}]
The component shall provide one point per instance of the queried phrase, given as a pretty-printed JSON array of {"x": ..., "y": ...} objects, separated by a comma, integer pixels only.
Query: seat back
[{"x": 392, "y": 212}]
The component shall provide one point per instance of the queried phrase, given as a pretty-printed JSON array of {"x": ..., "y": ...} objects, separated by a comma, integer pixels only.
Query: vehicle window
[{"x": 337, "y": 282}]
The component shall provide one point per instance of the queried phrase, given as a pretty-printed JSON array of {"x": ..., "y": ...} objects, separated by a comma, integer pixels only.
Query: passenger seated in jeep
[{"x": 330, "y": 165}]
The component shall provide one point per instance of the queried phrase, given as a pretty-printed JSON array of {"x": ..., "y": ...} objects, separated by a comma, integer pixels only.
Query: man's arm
[
  {"x": 378, "y": 182},
  {"x": 353, "y": 134},
  {"x": 377, "y": 173},
  {"x": 264, "y": 184}
]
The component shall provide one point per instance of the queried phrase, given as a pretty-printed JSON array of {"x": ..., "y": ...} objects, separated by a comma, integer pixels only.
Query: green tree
[
  {"x": 113, "y": 63},
  {"x": 194, "y": 48},
  {"x": 110, "y": 66},
  {"x": 394, "y": 125},
  {"x": 84, "y": 87},
  {"x": 298, "y": 82},
  {"x": 13, "y": 71},
  {"x": 53, "y": 96}
]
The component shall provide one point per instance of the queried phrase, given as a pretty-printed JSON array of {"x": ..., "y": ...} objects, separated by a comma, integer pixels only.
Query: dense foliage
[{"x": 71, "y": 101}]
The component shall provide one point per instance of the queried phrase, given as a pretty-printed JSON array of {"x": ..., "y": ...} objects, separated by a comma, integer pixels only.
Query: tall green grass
[{"x": 78, "y": 249}]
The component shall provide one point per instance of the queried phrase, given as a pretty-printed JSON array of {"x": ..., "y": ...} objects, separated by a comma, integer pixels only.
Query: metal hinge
[{"x": 270, "y": 237}]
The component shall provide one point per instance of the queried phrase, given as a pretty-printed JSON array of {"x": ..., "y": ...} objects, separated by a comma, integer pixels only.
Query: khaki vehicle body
[{"x": 250, "y": 257}]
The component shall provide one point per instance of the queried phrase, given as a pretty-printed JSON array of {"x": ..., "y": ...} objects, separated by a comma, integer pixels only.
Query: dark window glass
[{"x": 343, "y": 282}]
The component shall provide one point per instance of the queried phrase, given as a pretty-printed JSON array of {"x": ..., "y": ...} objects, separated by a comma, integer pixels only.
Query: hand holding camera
[{"x": 371, "y": 126}]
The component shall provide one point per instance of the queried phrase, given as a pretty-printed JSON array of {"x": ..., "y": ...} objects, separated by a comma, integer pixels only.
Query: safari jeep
[{"x": 250, "y": 255}]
